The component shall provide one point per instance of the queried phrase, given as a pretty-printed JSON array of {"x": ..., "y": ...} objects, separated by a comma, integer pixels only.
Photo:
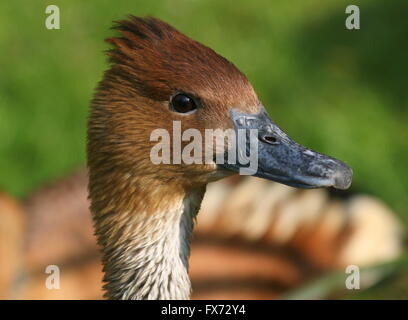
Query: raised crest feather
[{"x": 157, "y": 60}]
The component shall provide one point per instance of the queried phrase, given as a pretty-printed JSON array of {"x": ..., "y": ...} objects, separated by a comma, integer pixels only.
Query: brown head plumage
[{"x": 151, "y": 62}]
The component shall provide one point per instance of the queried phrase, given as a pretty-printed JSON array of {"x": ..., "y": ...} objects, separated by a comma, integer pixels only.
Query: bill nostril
[{"x": 270, "y": 139}]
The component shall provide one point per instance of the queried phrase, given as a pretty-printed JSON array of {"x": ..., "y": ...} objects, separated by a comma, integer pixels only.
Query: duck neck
[{"x": 145, "y": 240}]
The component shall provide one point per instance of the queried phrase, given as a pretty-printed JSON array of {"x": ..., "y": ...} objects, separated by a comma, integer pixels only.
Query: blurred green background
[{"x": 337, "y": 91}]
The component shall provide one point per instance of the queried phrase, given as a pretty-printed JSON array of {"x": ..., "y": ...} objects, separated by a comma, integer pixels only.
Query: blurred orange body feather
[{"x": 227, "y": 261}]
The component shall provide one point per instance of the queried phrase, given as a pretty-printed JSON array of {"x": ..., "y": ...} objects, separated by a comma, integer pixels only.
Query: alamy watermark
[
  {"x": 353, "y": 278},
  {"x": 52, "y": 21},
  {"x": 353, "y": 20},
  {"x": 52, "y": 282},
  {"x": 217, "y": 146}
]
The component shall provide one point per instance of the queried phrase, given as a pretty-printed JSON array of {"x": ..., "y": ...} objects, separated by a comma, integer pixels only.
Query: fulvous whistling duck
[{"x": 143, "y": 212}]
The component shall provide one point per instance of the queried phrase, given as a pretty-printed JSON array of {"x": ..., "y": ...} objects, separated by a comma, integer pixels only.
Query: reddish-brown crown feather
[{"x": 158, "y": 60}]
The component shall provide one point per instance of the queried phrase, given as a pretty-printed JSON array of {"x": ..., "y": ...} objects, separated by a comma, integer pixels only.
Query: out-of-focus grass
[
  {"x": 338, "y": 91},
  {"x": 384, "y": 281}
]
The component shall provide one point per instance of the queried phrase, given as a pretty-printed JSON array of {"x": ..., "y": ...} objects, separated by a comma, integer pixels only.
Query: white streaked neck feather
[{"x": 152, "y": 263}]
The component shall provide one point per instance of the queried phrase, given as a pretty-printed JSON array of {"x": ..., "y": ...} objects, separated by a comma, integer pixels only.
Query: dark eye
[{"x": 182, "y": 103}]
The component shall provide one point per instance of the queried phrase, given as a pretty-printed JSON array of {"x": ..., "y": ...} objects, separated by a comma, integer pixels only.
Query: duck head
[{"x": 159, "y": 78}]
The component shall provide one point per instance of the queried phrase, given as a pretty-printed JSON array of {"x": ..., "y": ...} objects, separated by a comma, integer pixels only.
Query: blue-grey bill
[{"x": 283, "y": 160}]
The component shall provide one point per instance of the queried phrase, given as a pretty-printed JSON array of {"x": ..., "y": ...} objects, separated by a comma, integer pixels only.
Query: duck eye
[{"x": 182, "y": 103}]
